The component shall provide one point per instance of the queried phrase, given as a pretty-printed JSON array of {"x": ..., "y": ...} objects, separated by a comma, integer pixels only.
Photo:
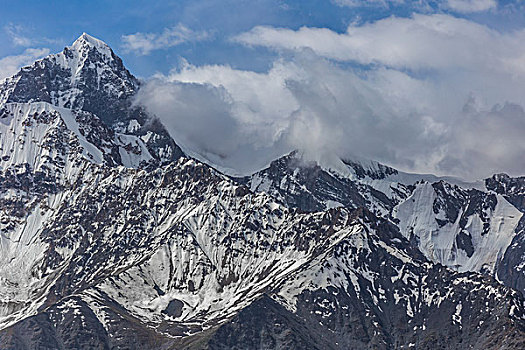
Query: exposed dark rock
[{"x": 174, "y": 255}]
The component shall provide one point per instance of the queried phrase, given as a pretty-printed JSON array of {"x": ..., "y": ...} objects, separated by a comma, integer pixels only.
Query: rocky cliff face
[
  {"x": 510, "y": 270},
  {"x": 459, "y": 226},
  {"x": 111, "y": 238},
  {"x": 88, "y": 76}
]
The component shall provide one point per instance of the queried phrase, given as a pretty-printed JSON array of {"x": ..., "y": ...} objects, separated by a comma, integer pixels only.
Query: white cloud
[
  {"x": 363, "y": 3},
  {"x": 234, "y": 118},
  {"x": 199, "y": 114},
  {"x": 468, "y": 6},
  {"x": 487, "y": 139},
  {"x": 15, "y": 33},
  {"x": 10, "y": 65},
  {"x": 408, "y": 108},
  {"x": 460, "y": 6},
  {"x": 243, "y": 120},
  {"x": 421, "y": 42},
  {"x": 144, "y": 43}
]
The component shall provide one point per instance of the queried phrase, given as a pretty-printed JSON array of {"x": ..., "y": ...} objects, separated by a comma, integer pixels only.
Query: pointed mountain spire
[
  {"x": 86, "y": 42},
  {"x": 86, "y": 39},
  {"x": 88, "y": 76}
]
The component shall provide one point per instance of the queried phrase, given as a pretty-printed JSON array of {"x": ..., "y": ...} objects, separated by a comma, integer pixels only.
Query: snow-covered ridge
[
  {"x": 183, "y": 248},
  {"x": 455, "y": 225},
  {"x": 87, "y": 65},
  {"x": 48, "y": 138},
  {"x": 95, "y": 235},
  {"x": 382, "y": 176},
  {"x": 85, "y": 40},
  {"x": 471, "y": 241},
  {"x": 75, "y": 57},
  {"x": 198, "y": 241},
  {"x": 35, "y": 134},
  {"x": 87, "y": 76}
]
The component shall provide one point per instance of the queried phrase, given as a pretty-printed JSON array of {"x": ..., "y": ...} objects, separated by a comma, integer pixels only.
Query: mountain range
[{"x": 111, "y": 237}]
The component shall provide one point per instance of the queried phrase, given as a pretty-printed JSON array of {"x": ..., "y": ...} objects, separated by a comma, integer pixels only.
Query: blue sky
[
  {"x": 425, "y": 86},
  {"x": 63, "y": 21},
  {"x": 55, "y": 24}
]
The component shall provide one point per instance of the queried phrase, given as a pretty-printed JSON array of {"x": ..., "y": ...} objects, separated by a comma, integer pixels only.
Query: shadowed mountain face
[
  {"x": 111, "y": 238},
  {"x": 510, "y": 270}
]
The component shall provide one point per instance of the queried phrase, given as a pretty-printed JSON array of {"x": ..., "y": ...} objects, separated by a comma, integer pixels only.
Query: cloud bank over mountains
[
  {"x": 429, "y": 93},
  {"x": 435, "y": 89}
]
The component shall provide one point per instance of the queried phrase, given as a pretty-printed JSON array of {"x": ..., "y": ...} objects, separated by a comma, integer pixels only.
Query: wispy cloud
[
  {"x": 469, "y": 6},
  {"x": 458, "y": 6},
  {"x": 15, "y": 33},
  {"x": 19, "y": 36},
  {"x": 363, "y": 3},
  {"x": 144, "y": 43},
  {"x": 9, "y": 65}
]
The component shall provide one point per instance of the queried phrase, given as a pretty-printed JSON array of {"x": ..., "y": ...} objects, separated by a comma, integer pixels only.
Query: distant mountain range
[{"x": 112, "y": 238}]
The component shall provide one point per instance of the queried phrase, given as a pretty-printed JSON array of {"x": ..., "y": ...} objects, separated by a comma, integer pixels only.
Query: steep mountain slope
[
  {"x": 469, "y": 230},
  {"x": 180, "y": 250},
  {"x": 88, "y": 76},
  {"x": 306, "y": 185},
  {"x": 46, "y": 151},
  {"x": 106, "y": 243},
  {"x": 511, "y": 269},
  {"x": 466, "y": 229}
]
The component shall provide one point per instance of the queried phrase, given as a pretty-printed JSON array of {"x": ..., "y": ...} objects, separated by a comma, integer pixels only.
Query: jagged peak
[
  {"x": 73, "y": 56},
  {"x": 86, "y": 41}
]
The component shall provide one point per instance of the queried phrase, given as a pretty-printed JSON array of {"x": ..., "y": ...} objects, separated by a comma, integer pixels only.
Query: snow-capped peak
[
  {"x": 85, "y": 52},
  {"x": 85, "y": 38},
  {"x": 85, "y": 74},
  {"x": 89, "y": 76},
  {"x": 86, "y": 41}
]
